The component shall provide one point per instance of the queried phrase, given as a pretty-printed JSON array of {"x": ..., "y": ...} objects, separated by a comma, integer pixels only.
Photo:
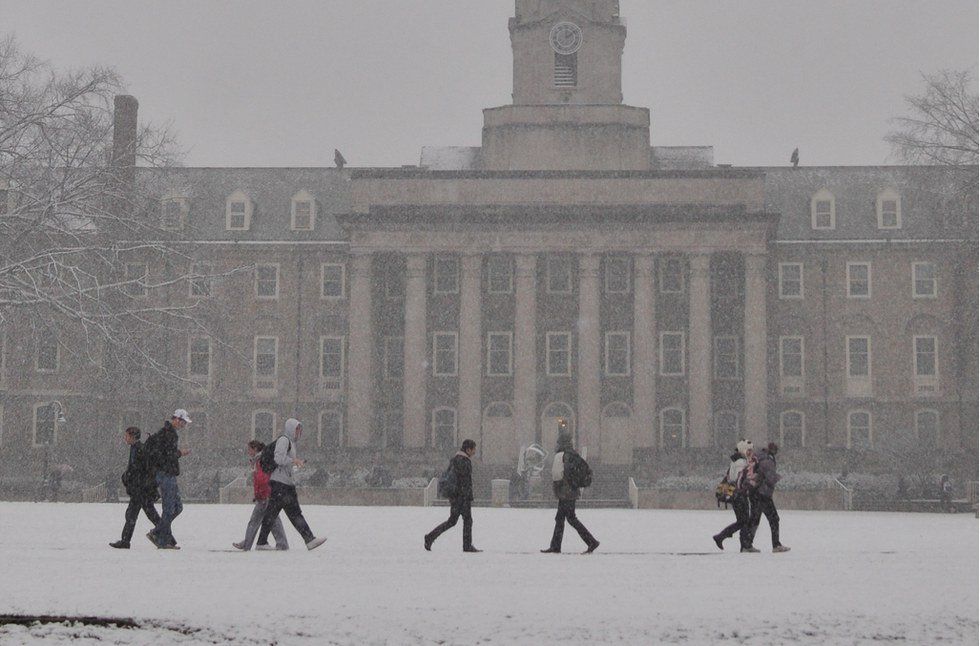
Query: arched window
[
  {"x": 303, "y": 212},
  {"x": 726, "y": 428},
  {"x": 823, "y": 210},
  {"x": 859, "y": 434},
  {"x": 927, "y": 428},
  {"x": 889, "y": 207},
  {"x": 556, "y": 419},
  {"x": 617, "y": 409},
  {"x": 444, "y": 429},
  {"x": 499, "y": 409},
  {"x": 792, "y": 429},
  {"x": 673, "y": 434},
  {"x": 238, "y": 212},
  {"x": 330, "y": 428}
]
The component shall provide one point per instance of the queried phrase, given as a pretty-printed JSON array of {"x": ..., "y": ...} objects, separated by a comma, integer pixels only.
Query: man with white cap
[{"x": 164, "y": 454}]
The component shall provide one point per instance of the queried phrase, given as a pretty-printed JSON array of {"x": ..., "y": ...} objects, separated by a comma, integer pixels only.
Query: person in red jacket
[{"x": 262, "y": 491}]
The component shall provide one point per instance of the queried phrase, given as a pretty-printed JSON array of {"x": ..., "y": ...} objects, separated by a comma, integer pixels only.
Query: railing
[
  {"x": 847, "y": 495},
  {"x": 634, "y": 493},
  {"x": 971, "y": 492},
  {"x": 94, "y": 494},
  {"x": 430, "y": 493}
]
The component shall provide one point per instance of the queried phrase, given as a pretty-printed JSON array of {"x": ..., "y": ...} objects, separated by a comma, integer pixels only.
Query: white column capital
[
  {"x": 415, "y": 262},
  {"x": 756, "y": 262}
]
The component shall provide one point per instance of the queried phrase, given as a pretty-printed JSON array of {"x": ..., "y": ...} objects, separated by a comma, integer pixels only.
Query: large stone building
[{"x": 565, "y": 273}]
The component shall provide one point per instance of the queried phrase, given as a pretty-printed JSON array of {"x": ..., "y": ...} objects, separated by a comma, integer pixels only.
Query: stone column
[
  {"x": 644, "y": 353},
  {"x": 360, "y": 353},
  {"x": 756, "y": 367},
  {"x": 470, "y": 349},
  {"x": 525, "y": 350},
  {"x": 417, "y": 368},
  {"x": 589, "y": 343},
  {"x": 699, "y": 353}
]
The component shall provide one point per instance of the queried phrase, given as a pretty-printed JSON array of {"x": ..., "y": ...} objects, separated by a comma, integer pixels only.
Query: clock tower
[{"x": 567, "y": 111}]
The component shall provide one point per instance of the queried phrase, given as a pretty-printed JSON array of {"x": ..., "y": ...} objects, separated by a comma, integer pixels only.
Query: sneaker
[
  {"x": 316, "y": 542},
  {"x": 149, "y": 537},
  {"x": 168, "y": 546},
  {"x": 264, "y": 548},
  {"x": 780, "y": 548},
  {"x": 750, "y": 550},
  {"x": 592, "y": 548},
  {"x": 120, "y": 545},
  {"x": 281, "y": 548},
  {"x": 239, "y": 546},
  {"x": 551, "y": 550},
  {"x": 718, "y": 539},
  {"x": 471, "y": 549},
  {"x": 427, "y": 542}
]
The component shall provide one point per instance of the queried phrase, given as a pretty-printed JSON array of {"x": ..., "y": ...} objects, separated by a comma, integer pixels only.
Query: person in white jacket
[
  {"x": 740, "y": 501},
  {"x": 283, "y": 497}
]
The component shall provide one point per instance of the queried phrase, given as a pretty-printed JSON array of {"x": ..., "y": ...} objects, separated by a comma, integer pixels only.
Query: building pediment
[{"x": 561, "y": 15}]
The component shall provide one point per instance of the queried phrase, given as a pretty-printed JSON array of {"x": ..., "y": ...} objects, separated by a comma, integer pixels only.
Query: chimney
[{"x": 124, "y": 138}]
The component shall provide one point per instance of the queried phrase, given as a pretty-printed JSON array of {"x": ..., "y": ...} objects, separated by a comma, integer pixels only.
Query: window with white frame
[
  {"x": 332, "y": 361},
  {"x": 792, "y": 429},
  {"x": 672, "y": 429},
  {"x": 445, "y": 347},
  {"x": 47, "y": 355},
  {"x": 238, "y": 212},
  {"x": 859, "y": 280},
  {"x": 671, "y": 275},
  {"x": 392, "y": 426},
  {"x": 558, "y": 347},
  {"x": 199, "y": 281},
  {"x": 726, "y": 357},
  {"x": 617, "y": 354},
  {"x": 671, "y": 354},
  {"x": 393, "y": 358},
  {"x": 173, "y": 213},
  {"x": 791, "y": 280},
  {"x": 559, "y": 270},
  {"x": 266, "y": 362},
  {"x": 859, "y": 357},
  {"x": 444, "y": 429},
  {"x": 500, "y": 275},
  {"x": 136, "y": 274},
  {"x": 331, "y": 427},
  {"x": 726, "y": 428},
  {"x": 889, "y": 206},
  {"x": 395, "y": 284},
  {"x": 332, "y": 280},
  {"x": 859, "y": 434},
  {"x": 617, "y": 275},
  {"x": 500, "y": 347},
  {"x": 823, "y": 210},
  {"x": 791, "y": 357},
  {"x": 303, "y": 212},
  {"x": 927, "y": 428},
  {"x": 263, "y": 426},
  {"x": 923, "y": 280},
  {"x": 45, "y": 424},
  {"x": 446, "y": 276},
  {"x": 1, "y": 425},
  {"x": 199, "y": 357},
  {"x": 267, "y": 281},
  {"x": 924, "y": 350}
]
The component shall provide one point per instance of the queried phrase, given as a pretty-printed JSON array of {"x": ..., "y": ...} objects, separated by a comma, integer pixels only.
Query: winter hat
[{"x": 743, "y": 446}]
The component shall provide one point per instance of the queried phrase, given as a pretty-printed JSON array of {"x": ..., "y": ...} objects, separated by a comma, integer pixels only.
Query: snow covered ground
[{"x": 851, "y": 578}]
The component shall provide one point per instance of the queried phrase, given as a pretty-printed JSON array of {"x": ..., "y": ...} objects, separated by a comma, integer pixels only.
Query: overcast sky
[{"x": 261, "y": 83}]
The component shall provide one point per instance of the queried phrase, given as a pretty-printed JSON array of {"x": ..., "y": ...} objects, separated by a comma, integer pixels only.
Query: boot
[
  {"x": 120, "y": 545},
  {"x": 719, "y": 539}
]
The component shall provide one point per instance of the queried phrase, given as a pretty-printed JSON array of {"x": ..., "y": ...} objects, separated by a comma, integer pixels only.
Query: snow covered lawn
[{"x": 657, "y": 578}]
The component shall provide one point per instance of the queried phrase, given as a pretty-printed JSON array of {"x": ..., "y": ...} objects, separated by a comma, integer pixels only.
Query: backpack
[
  {"x": 448, "y": 483},
  {"x": 725, "y": 492},
  {"x": 579, "y": 471},
  {"x": 267, "y": 459}
]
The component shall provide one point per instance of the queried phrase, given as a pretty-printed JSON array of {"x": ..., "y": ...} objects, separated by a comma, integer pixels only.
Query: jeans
[
  {"x": 284, "y": 498},
  {"x": 255, "y": 522},
  {"x": 457, "y": 507},
  {"x": 566, "y": 511},
  {"x": 137, "y": 504},
  {"x": 170, "y": 495}
]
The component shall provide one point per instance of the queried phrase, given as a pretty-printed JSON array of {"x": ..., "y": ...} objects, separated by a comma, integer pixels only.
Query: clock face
[{"x": 566, "y": 38}]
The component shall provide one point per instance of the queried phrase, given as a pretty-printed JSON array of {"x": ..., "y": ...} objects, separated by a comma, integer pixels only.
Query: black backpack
[
  {"x": 448, "y": 483},
  {"x": 267, "y": 459},
  {"x": 579, "y": 471}
]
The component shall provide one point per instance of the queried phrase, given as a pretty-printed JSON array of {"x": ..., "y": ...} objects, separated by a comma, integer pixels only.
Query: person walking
[
  {"x": 763, "y": 479},
  {"x": 141, "y": 487},
  {"x": 261, "y": 492},
  {"x": 740, "y": 499},
  {"x": 565, "y": 470},
  {"x": 461, "y": 500},
  {"x": 282, "y": 490},
  {"x": 164, "y": 454}
]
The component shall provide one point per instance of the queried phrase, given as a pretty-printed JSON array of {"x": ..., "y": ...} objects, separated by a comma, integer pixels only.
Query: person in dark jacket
[
  {"x": 140, "y": 486},
  {"x": 740, "y": 499},
  {"x": 762, "y": 483},
  {"x": 567, "y": 493},
  {"x": 164, "y": 454},
  {"x": 461, "y": 502}
]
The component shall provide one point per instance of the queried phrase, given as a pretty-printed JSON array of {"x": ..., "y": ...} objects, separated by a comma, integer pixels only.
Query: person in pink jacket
[{"x": 262, "y": 491}]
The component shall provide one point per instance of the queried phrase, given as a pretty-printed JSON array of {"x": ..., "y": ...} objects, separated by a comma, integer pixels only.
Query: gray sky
[{"x": 259, "y": 83}]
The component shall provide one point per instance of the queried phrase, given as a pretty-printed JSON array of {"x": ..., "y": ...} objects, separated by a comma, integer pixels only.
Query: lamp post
[{"x": 58, "y": 413}]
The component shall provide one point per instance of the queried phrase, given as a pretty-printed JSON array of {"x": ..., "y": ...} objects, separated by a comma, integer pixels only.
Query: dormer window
[
  {"x": 889, "y": 206},
  {"x": 823, "y": 213},
  {"x": 303, "y": 212},
  {"x": 238, "y": 212},
  {"x": 173, "y": 213}
]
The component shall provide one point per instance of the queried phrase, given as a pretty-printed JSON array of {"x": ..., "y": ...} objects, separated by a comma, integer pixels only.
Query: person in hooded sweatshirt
[
  {"x": 740, "y": 499},
  {"x": 460, "y": 504},
  {"x": 282, "y": 486},
  {"x": 261, "y": 490},
  {"x": 140, "y": 486},
  {"x": 567, "y": 493},
  {"x": 762, "y": 483}
]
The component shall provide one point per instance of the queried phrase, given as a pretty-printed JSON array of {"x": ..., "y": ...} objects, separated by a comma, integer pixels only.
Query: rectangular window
[
  {"x": 267, "y": 281},
  {"x": 136, "y": 273},
  {"x": 446, "y": 278},
  {"x": 566, "y": 70},
  {"x": 888, "y": 215},
  {"x": 199, "y": 357},
  {"x": 332, "y": 360},
  {"x": 199, "y": 281},
  {"x": 726, "y": 357},
  {"x": 332, "y": 280},
  {"x": 171, "y": 215},
  {"x": 859, "y": 280},
  {"x": 444, "y": 350},
  {"x": 330, "y": 428},
  {"x": 266, "y": 360},
  {"x": 47, "y": 357},
  {"x": 671, "y": 275},
  {"x": 859, "y": 357},
  {"x": 925, "y": 356},
  {"x": 617, "y": 354},
  {"x": 617, "y": 275},
  {"x": 924, "y": 279},
  {"x": 823, "y": 214},
  {"x": 859, "y": 430},
  {"x": 302, "y": 215},
  {"x": 790, "y": 280},
  {"x": 393, "y": 359},
  {"x": 499, "y": 352},
  {"x": 45, "y": 424},
  {"x": 671, "y": 354},
  {"x": 559, "y": 275},
  {"x": 791, "y": 357},
  {"x": 237, "y": 216},
  {"x": 559, "y": 354},
  {"x": 264, "y": 426},
  {"x": 500, "y": 275},
  {"x": 395, "y": 284}
]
